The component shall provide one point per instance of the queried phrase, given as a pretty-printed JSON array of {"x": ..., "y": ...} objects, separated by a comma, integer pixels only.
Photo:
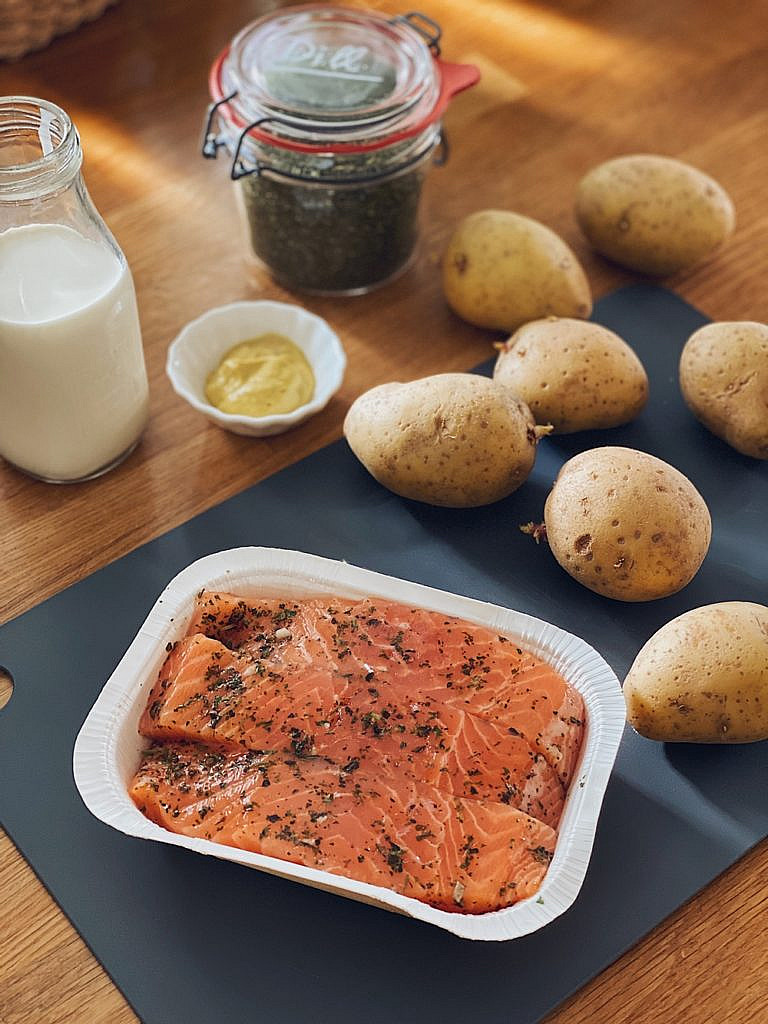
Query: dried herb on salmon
[
  {"x": 393, "y": 855},
  {"x": 469, "y": 852},
  {"x": 428, "y": 730},
  {"x": 541, "y": 854},
  {"x": 302, "y": 744},
  {"x": 375, "y": 722}
]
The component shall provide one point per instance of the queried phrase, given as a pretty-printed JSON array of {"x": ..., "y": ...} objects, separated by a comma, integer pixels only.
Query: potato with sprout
[
  {"x": 573, "y": 374},
  {"x": 452, "y": 439}
]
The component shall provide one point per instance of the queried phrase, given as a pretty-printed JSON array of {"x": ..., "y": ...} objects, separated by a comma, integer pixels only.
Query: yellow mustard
[{"x": 261, "y": 377}]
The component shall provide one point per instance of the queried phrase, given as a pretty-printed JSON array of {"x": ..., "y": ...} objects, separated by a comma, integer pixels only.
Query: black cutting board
[{"x": 193, "y": 940}]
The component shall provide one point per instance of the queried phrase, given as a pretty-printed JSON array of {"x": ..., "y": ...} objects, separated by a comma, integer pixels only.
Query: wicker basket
[{"x": 27, "y": 25}]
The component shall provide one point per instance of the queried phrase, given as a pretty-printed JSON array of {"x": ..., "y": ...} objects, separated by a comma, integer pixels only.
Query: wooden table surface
[{"x": 566, "y": 84}]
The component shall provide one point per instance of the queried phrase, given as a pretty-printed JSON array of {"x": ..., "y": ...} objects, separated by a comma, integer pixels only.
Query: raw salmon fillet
[
  {"x": 207, "y": 693},
  {"x": 457, "y": 663},
  {"x": 420, "y": 713},
  {"x": 460, "y": 855}
]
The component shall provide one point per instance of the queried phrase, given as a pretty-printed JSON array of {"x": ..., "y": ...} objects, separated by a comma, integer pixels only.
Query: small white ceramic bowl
[{"x": 199, "y": 347}]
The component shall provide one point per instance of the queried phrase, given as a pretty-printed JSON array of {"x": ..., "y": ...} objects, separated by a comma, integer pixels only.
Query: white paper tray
[{"x": 108, "y": 747}]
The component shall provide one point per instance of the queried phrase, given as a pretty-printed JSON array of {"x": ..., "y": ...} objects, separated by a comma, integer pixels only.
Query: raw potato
[
  {"x": 626, "y": 524},
  {"x": 724, "y": 380},
  {"x": 501, "y": 270},
  {"x": 573, "y": 374},
  {"x": 652, "y": 213},
  {"x": 703, "y": 678},
  {"x": 454, "y": 439}
]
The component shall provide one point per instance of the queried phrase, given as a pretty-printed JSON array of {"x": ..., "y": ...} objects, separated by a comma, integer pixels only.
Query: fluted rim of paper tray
[{"x": 105, "y": 794}]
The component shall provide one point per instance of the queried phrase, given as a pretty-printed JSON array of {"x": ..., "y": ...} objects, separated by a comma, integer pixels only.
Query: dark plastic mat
[{"x": 193, "y": 940}]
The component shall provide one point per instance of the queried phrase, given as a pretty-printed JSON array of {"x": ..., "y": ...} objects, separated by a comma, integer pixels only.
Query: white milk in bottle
[{"x": 73, "y": 386}]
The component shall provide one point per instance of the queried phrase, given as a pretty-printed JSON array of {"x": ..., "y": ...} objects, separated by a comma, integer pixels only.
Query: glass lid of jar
[{"x": 327, "y": 70}]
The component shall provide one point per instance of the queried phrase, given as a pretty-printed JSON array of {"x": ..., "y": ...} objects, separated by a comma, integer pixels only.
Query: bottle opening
[
  {"x": 39, "y": 147},
  {"x": 30, "y": 130}
]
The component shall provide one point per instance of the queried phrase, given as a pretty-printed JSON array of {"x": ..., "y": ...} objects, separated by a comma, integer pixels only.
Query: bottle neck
[{"x": 40, "y": 152}]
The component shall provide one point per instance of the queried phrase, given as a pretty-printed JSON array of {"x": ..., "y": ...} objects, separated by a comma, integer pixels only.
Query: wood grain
[{"x": 566, "y": 83}]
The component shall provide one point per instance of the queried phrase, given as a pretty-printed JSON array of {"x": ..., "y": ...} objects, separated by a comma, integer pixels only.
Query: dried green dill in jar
[
  {"x": 332, "y": 117},
  {"x": 340, "y": 238}
]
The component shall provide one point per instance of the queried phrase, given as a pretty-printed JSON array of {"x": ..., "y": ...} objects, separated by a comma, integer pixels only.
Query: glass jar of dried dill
[{"x": 331, "y": 117}]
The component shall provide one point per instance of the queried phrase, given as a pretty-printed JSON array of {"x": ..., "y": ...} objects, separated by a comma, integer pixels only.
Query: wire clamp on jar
[
  {"x": 427, "y": 27},
  {"x": 238, "y": 168},
  {"x": 212, "y": 141}
]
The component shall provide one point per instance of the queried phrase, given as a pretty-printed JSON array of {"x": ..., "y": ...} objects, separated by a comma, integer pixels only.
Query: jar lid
[{"x": 333, "y": 77}]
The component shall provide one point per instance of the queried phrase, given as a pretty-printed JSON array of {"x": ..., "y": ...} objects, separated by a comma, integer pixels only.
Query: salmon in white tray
[
  {"x": 389, "y": 744},
  {"x": 424, "y": 752}
]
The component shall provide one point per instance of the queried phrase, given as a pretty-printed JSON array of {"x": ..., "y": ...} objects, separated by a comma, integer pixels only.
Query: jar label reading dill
[{"x": 311, "y": 73}]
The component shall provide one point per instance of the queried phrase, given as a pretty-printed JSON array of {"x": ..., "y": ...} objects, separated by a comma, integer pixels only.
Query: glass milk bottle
[{"x": 73, "y": 385}]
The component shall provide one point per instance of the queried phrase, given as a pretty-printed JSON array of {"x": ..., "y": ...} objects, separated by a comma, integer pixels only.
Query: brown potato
[
  {"x": 724, "y": 380},
  {"x": 453, "y": 439},
  {"x": 652, "y": 213},
  {"x": 501, "y": 269},
  {"x": 573, "y": 374},
  {"x": 703, "y": 677},
  {"x": 626, "y": 524}
]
